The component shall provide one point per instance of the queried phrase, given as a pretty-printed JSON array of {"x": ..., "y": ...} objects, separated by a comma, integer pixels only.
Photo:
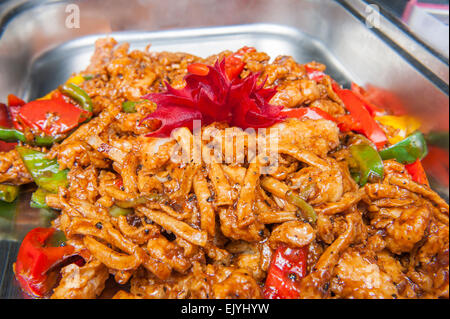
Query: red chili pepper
[
  {"x": 66, "y": 116},
  {"x": 287, "y": 268},
  {"x": 312, "y": 113},
  {"x": 358, "y": 111},
  {"x": 417, "y": 172},
  {"x": 35, "y": 259},
  {"x": 198, "y": 69}
]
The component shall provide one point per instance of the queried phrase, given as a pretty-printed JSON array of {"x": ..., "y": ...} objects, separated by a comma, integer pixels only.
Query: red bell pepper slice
[
  {"x": 358, "y": 111},
  {"x": 35, "y": 259},
  {"x": 5, "y": 122},
  {"x": 436, "y": 164},
  {"x": 14, "y": 105},
  {"x": 417, "y": 172},
  {"x": 286, "y": 269},
  {"x": 346, "y": 123},
  {"x": 67, "y": 116},
  {"x": 234, "y": 64},
  {"x": 4, "y": 116},
  {"x": 372, "y": 108},
  {"x": 385, "y": 98},
  {"x": 233, "y": 67},
  {"x": 312, "y": 113},
  {"x": 314, "y": 74},
  {"x": 15, "y": 101},
  {"x": 6, "y": 147}
]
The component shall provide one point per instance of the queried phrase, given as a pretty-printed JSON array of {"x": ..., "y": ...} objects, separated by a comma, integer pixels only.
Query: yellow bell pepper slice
[
  {"x": 77, "y": 80},
  {"x": 405, "y": 126}
]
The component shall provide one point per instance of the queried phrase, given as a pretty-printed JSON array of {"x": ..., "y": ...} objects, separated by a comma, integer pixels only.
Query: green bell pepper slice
[
  {"x": 139, "y": 201},
  {"x": 38, "y": 198},
  {"x": 116, "y": 211},
  {"x": 129, "y": 106},
  {"x": 306, "y": 209},
  {"x": 365, "y": 164},
  {"x": 46, "y": 140},
  {"x": 8, "y": 193},
  {"x": 78, "y": 94},
  {"x": 45, "y": 172},
  {"x": 407, "y": 151},
  {"x": 11, "y": 135}
]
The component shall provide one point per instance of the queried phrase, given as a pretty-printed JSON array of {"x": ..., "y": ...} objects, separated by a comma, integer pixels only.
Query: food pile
[{"x": 346, "y": 211}]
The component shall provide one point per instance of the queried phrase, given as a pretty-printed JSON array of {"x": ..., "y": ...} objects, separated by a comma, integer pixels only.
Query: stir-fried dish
[{"x": 232, "y": 176}]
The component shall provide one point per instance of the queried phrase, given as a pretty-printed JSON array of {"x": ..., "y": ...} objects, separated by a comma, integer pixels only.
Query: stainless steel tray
[{"x": 36, "y": 56}]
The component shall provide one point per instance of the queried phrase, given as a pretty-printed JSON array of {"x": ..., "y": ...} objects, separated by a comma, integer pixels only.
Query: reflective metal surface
[
  {"x": 437, "y": 64},
  {"x": 38, "y": 52},
  {"x": 426, "y": 20}
]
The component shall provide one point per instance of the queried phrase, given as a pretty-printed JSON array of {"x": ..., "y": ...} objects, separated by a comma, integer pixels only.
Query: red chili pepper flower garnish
[{"x": 212, "y": 97}]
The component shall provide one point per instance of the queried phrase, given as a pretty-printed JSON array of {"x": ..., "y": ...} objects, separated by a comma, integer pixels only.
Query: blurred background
[{"x": 427, "y": 19}]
